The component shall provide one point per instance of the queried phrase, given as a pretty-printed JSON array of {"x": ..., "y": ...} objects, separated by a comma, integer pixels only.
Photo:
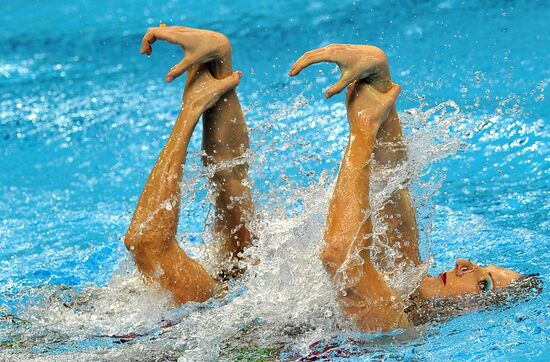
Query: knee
[{"x": 332, "y": 259}]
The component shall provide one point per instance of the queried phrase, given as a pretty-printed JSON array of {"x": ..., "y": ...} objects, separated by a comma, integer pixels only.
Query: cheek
[{"x": 461, "y": 286}]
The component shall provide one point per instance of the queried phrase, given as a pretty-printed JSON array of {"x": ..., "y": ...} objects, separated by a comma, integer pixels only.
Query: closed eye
[
  {"x": 482, "y": 285},
  {"x": 486, "y": 284}
]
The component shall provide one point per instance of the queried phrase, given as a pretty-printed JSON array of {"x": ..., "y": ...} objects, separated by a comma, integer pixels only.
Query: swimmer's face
[{"x": 466, "y": 277}]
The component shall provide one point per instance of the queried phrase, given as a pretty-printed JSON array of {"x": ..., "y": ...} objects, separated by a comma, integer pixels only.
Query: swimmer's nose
[{"x": 463, "y": 266}]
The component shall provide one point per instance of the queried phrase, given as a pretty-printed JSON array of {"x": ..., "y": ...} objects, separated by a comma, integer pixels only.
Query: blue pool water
[{"x": 83, "y": 116}]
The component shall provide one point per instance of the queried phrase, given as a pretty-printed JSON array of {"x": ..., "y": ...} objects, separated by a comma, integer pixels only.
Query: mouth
[{"x": 443, "y": 277}]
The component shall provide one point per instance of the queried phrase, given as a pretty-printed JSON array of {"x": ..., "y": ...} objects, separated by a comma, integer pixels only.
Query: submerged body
[{"x": 375, "y": 138}]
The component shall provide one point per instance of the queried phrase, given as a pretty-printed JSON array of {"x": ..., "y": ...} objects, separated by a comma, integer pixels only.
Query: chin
[{"x": 429, "y": 287}]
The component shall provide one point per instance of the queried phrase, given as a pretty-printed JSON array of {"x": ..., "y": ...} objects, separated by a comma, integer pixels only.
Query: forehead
[{"x": 502, "y": 277}]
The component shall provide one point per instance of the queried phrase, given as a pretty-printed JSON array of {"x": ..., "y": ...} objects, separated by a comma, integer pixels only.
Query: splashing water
[{"x": 285, "y": 302}]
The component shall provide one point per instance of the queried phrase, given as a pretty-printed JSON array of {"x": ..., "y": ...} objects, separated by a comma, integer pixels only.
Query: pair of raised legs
[{"x": 375, "y": 134}]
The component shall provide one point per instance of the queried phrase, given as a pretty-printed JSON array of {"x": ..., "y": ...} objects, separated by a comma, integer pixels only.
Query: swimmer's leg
[
  {"x": 151, "y": 236},
  {"x": 370, "y": 99},
  {"x": 369, "y": 63},
  {"x": 398, "y": 213},
  {"x": 152, "y": 233},
  {"x": 225, "y": 144},
  {"x": 364, "y": 295}
]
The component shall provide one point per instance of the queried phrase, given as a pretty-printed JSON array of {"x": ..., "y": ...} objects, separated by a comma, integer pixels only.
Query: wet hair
[{"x": 421, "y": 311}]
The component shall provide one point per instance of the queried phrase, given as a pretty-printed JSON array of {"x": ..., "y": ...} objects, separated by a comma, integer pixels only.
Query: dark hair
[{"x": 421, "y": 311}]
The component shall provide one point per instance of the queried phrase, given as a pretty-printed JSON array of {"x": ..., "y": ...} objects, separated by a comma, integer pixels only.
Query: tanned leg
[
  {"x": 364, "y": 294},
  {"x": 398, "y": 213},
  {"x": 225, "y": 137},
  {"x": 151, "y": 235},
  {"x": 225, "y": 142},
  {"x": 370, "y": 63}
]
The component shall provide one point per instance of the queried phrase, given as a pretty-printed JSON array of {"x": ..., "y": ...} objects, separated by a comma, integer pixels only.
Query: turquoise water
[{"x": 83, "y": 117}]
